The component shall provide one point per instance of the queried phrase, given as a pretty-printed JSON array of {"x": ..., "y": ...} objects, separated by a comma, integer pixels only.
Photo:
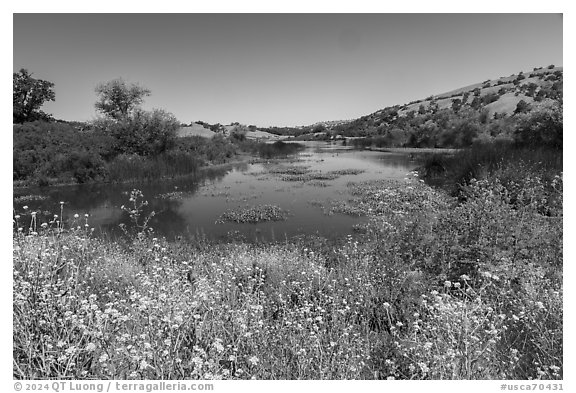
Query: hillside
[
  {"x": 209, "y": 131},
  {"x": 486, "y": 110}
]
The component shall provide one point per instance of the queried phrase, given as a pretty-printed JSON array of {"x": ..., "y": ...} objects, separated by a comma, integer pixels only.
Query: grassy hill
[{"x": 483, "y": 111}]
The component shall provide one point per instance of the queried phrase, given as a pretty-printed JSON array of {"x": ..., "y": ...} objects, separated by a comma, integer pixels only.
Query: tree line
[{"x": 122, "y": 140}]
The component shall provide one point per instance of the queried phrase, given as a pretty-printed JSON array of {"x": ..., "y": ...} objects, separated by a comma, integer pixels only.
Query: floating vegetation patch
[
  {"x": 29, "y": 198},
  {"x": 307, "y": 177},
  {"x": 350, "y": 171},
  {"x": 174, "y": 195},
  {"x": 253, "y": 214},
  {"x": 351, "y": 208},
  {"x": 289, "y": 170}
]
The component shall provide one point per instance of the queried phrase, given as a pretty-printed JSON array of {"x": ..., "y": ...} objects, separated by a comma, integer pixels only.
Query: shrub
[
  {"x": 144, "y": 133},
  {"x": 543, "y": 126}
]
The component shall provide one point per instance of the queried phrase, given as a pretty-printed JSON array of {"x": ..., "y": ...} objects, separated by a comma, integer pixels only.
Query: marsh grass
[{"x": 135, "y": 167}]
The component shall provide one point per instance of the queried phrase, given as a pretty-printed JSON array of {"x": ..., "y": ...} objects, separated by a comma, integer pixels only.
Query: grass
[
  {"x": 430, "y": 288},
  {"x": 136, "y": 167}
]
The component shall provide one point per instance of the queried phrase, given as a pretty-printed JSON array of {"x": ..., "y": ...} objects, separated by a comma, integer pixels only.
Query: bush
[
  {"x": 59, "y": 150},
  {"x": 543, "y": 126},
  {"x": 144, "y": 133}
]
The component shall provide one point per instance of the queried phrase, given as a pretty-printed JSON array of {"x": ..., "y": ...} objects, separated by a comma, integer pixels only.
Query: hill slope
[{"x": 457, "y": 118}]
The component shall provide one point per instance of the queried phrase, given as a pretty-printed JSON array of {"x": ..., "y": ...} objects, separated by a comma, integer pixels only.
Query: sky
[{"x": 276, "y": 69}]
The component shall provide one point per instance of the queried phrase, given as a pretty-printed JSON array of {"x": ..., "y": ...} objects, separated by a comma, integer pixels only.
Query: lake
[{"x": 191, "y": 206}]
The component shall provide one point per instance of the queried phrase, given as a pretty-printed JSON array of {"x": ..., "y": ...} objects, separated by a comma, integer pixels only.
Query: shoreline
[{"x": 239, "y": 159}]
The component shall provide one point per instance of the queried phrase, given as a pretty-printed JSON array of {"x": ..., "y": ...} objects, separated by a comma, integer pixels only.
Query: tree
[
  {"x": 146, "y": 133},
  {"x": 118, "y": 100},
  {"x": 522, "y": 107},
  {"x": 29, "y": 95},
  {"x": 543, "y": 126}
]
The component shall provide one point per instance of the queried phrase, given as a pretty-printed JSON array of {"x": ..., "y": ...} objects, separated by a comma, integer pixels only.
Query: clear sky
[{"x": 277, "y": 69}]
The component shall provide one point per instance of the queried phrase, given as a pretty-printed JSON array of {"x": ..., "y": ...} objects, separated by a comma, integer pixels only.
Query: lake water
[{"x": 191, "y": 206}]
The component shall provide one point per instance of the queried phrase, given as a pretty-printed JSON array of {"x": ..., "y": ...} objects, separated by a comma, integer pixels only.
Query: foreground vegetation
[{"x": 435, "y": 287}]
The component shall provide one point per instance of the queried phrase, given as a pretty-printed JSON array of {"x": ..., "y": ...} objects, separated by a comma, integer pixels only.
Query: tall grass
[{"x": 135, "y": 167}]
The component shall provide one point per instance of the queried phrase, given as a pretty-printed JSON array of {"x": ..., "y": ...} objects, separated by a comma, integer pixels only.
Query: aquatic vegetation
[
  {"x": 254, "y": 214},
  {"x": 174, "y": 195},
  {"x": 310, "y": 176},
  {"x": 288, "y": 170},
  {"x": 349, "y": 171},
  {"x": 29, "y": 198}
]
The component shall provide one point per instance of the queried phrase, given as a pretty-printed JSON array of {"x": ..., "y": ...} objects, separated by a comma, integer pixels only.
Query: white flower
[
  {"x": 90, "y": 347},
  {"x": 447, "y": 284},
  {"x": 76, "y": 215},
  {"x": 253, "y": 360},
  {"x": 218, "y": 345}
]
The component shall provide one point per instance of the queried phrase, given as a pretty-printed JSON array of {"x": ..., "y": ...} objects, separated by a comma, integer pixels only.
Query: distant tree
[
  {"x": 238, "y": 132},
  {"x": 466, "y": 131},
  {"x": 319, "y": 128},
  {"x": 519, "y": 78},
  {"x": 476, "y": 102},
  {"x": 484, "y": 116},
  {"x": 551, "y": 66},
  {"x": 522, "y": 107},
  {"x": 421, "y": 109},
  {"x": 28, "y": 95},
  {"x": 531, "y": 89},
  {"x": 118, "y": 100},
  {"x": 490, "y": 98},
  {"x": 456, "y": 104}
]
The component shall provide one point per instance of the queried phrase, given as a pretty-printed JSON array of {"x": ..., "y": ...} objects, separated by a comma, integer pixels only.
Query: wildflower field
[{"x": 432, "y": 288}]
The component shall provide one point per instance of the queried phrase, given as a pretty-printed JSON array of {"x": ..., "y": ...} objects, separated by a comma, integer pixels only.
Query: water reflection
[{"x": 190, "y": 206}]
